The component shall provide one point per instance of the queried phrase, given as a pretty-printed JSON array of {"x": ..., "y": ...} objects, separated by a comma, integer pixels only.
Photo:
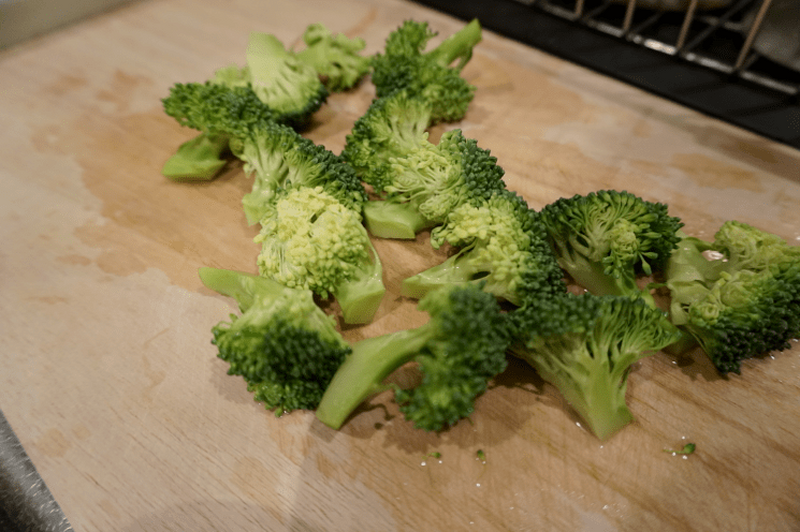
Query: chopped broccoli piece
[
  {"x": 218, "y": 109},
  {"x": 585, "y": 345},
  {"x": 335, "y": 58},
  {"x": 741, "y": 305},
  {"x": 392, "y": 127},
  {"x": 283, "y": 345},
  {"x": 280, "y": 158},
  {"x": 501, "y": 244},
  {"x": 458, "y": 350},
  {"x": 221, "y": 113},
  {"x": 289, "y": 86},
  {"x": 418, "y": 182},
  {"x": 311, "y": 240},
  {"x": 606, "y": 239},
  {"x": 273, "y": 85},
  {"x": 404, "y": 65},
  {"x": 432, "y": 181}
]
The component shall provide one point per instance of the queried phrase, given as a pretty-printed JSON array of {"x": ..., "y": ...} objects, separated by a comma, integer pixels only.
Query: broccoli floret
[
  {"x": 738, "y": 297},
  {"x": 458, "y": 350},
  {"x": 274, "y": 84},
  {"x": 280, "y": 158},
  {"x": 218, "y": 109},
  {"x": 220, "y": 113},
  {"x": 283, "y": 345},
  {"x": 392, "y": 127},
  {"x": 585, "y": 345},
  {"x": 605, "y": 240},
  {"x": 404, "y": 64},
  {"x": 501, "y": 244},
  {"x": 289, "y": 86},
  {"x": 311, "y": 240},
  {"x": 335, "y": 58},
  {"x": 432, "y": 181}
]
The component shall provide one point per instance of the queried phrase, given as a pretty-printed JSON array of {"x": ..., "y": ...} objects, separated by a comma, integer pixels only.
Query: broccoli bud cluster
[{"x": 502, "y": 287}]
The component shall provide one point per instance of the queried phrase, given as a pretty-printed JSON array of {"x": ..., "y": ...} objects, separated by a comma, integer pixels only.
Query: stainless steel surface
[{"x": 26, "y": 503}]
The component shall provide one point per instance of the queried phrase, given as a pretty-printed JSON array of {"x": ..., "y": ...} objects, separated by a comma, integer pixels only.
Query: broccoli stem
[
  {"x": 388, "y": 219},
  {"x": 596, "y": 393},
  {"x": 458, "y": 46},
  {"x": 447, "y": 273},
  {"x": 362, "y": 373},
  {"x": 245, "y": 288},
  {"x": 197, "y": 159},
  {"x": 592, "y": 276},
  {"x": 360, "y": 297}
]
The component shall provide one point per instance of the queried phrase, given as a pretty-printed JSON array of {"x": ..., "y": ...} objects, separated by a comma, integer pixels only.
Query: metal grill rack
[{"x": 706, "y": 59}]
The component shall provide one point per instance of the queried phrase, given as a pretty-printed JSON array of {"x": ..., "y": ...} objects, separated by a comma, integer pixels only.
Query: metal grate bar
[{"x": 704, "y": 59}]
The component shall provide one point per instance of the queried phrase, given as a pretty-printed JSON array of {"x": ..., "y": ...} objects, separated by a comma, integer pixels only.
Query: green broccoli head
[
  {"x": 220, "y": 113},
  {"x": 283, "y": 345},
  {"x": 500, "y": 244},
  {"x": 585, "y": 346},
  {"x": 404, "y": 65},
  {"x": 286, "y": 84},
  {"x": 311, "y": 240},
  {"x": 279, "y": 158},
  {"x": 218, "y": 109},
  {"x": 606, "y": 239},
  {"x": 392, "y": 127},
  {"x": 335, "y": 58},
  {"x": 274, "y": 85},
  {"x": 459, "y": 350},
  {"x": 429, "y": 182},
  {"x": 742, "y": 301}
]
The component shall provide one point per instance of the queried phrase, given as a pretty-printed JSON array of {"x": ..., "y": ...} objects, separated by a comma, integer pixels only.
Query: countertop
[{"x": 111, "y": 383}]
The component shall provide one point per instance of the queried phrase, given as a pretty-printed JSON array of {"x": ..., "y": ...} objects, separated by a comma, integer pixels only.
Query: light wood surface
[{"x": 111, "y": 383}]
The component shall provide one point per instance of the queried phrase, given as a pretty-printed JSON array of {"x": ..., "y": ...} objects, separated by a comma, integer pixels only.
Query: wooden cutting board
[{"x": 111, "y": 383}]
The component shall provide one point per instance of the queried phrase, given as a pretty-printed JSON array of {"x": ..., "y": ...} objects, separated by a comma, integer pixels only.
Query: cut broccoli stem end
[
  {"x": 361, "y": 296},
  {"x": 360, "y": 299},
  {"x": 389, "y": 219},
  {"x": 362, "y": 373},
  {"x": 197, "y": 159}
]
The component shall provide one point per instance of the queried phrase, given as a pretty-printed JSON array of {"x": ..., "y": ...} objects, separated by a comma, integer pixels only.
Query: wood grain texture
[{"x": 111, "y": 384}]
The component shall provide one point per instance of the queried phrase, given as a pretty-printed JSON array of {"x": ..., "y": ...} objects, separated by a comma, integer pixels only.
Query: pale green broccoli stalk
[
  {"x": 283, "y": 345},
  {"x": 311, "y": 240},
  {"x": 280, "y": 158},
  {"x": 335, "y": 58},
  {"x": 586, "y": 345},
  {"x": 198, "y": 159},
  {"x": 606, "y": 240},
  {"x": 459, "y": 350},
  {"x": 738, "y": 297},
  {"x": 434, "y": 75},
  {"x": 501, "y": 244}
]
